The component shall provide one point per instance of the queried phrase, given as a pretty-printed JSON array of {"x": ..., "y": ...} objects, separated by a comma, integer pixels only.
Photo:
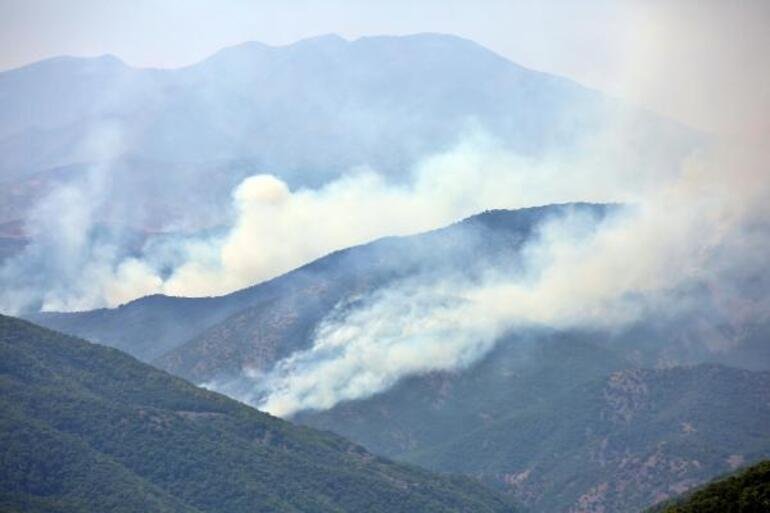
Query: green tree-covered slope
[
  {"x": 88, "y": 428},
  {"x": 747, "y": 491}
]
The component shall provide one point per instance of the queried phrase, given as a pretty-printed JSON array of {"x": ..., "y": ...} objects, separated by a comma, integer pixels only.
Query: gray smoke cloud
[
  {"x": 700, "y": 224},
  {"x": 71, "y": 265},
  {"x": 699, "y": 230},
  {"x": 693, "y": 246},
  {"x": 573, "y": 145}
]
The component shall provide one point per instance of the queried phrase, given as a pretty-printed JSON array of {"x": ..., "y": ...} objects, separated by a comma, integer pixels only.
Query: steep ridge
[
  {"x": 87, "y": 428},
  {"x": 203, "y": 338}
]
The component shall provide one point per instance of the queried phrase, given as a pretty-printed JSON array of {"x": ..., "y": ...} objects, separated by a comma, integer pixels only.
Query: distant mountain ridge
[{"x": 306, "y": 112}]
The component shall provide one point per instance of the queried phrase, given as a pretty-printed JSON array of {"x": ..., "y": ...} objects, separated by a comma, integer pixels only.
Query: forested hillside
[
  {"x": 746, "y": 491},
  {"x": 85, "y": 428}
]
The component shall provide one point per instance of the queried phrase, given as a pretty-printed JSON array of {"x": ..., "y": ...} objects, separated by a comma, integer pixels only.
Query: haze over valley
[{"x": 507, "y": 289}]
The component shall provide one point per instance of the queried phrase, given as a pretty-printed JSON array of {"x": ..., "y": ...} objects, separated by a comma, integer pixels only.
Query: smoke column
[{"x": 705, "y": 229}]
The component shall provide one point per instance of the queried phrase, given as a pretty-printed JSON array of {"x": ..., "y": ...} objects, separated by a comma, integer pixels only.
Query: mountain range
[
  {"x": 562, "y": 420},
  {"x": 552, "y": 419},
  {"x": 306, "y": 112}
]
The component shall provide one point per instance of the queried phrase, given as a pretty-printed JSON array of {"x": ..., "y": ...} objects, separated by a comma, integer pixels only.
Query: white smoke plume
[
  {"x": 704, "y": 231},
  {"x": 704, "y": 224},
  {"x": 276, "y": 229},
  {"x": 71, "y": 264},
  {"x": 580, "y": 275}
]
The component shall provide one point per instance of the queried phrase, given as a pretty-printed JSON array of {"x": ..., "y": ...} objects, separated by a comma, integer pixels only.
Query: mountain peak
[
  {"x": 422, "y": 37},
  {"x": 322, "y": 39},
  {"x": 251, "y": 49},
  {"x": 72, "y": 62}
]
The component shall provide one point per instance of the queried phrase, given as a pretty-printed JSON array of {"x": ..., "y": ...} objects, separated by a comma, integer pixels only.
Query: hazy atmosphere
[
  {"x": 651, "y": 53},
  {"x": 429, "y": 227}
]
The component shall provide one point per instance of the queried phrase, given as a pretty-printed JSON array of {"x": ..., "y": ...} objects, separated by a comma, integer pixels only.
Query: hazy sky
[
  {"x": 555, "y": 36},
  {"x": 652, "y": 52}
]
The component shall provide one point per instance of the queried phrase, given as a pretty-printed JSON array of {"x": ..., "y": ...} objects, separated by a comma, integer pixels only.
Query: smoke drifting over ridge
[
  {"x": 694, "y": 246},
  {"x": 704, "y": 225},
  {"x": 706, "y": 229},
  {"x": 307, "y": 112},
  {"x": 275, "y": 229}
]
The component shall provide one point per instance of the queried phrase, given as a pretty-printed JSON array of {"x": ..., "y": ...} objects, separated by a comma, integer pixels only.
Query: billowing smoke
[
  {"x": 692, "y": 247},
  {"x": 556, "y": 142},
  {"x": 70, "y": 265},
  {"x": 675, "y": 252},
  {"x": 692, "y": 241}
]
